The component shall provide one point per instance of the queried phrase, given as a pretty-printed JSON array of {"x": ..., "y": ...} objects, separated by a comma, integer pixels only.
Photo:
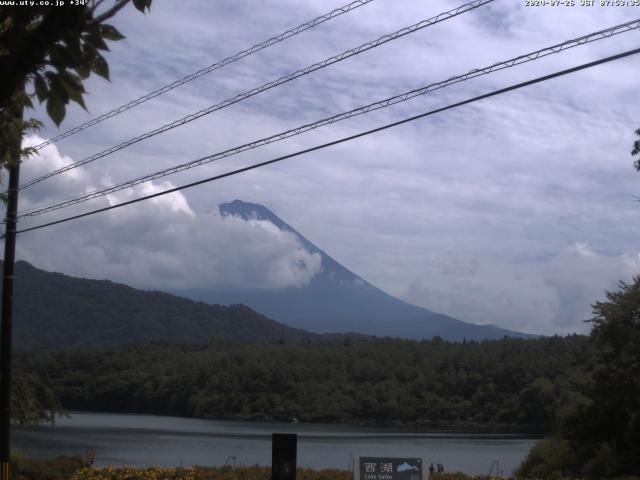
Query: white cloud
[
  {"x": 162, "y": 243},
  {"x": 552, "y": 295}
]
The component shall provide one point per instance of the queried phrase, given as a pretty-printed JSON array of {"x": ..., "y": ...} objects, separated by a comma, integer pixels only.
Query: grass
[
  {"x": 59, "y": 468},
  {"x": 201, "y": 473},
  {"x": 77, "y": 468}
]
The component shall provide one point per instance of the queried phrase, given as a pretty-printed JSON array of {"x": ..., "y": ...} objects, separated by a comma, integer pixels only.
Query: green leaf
[
  {"x": 56, "y": 57},
  {"x": 100, "y": 67},
  {"x": 72, "y": 45},
  {"x": 27, "y": 102},
  {"x": 73, "y": 86},
  {"x": 83, "y": 70},
  {"x": 89, "y": 51},
  {"x": 6, "y": 25},
  {"x": 20, "y": 98},
  {"x": 63, "y": 57},
  {"x": 142, "y": 5},
  {"x": 96, "y": 40},
  {"x": 57, "y": 89},
  {"x": 55, "y": 109},
  {"x": 72, "y": 80},
  {"x": 110, "y": 32},
  {"x": 77, "y": 97},
  {"x": 40, "y": 87}
]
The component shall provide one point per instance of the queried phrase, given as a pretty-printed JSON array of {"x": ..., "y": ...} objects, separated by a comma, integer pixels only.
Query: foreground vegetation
[
  {"x": 75, "y": 468},
  {"x": 506, "y": 384},
  {"x": 598, "y": 436}
]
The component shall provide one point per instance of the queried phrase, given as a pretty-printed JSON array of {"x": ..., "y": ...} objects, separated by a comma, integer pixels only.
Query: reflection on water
[{"x": 145, "y": 440}]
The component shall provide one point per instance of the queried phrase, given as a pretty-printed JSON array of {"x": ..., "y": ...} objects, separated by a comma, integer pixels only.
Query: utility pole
[{"x": 7, "y": 297}]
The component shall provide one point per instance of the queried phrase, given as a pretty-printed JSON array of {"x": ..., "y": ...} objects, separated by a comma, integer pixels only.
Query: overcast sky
[{"x": 518, "y": 210}]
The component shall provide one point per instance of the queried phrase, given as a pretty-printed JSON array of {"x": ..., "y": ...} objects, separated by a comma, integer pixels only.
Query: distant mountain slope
[
  {"x": 53, "y": 310},
  {"x": 338, "y": 300}
]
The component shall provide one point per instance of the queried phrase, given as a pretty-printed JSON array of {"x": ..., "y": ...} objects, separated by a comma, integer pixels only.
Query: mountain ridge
[
  {"x": 338, "y": 300},
  {"x": 54, "y": 310}
]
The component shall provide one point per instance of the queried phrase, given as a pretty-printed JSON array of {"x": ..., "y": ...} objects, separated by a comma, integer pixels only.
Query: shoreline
[{"x": 438, "y": 428}]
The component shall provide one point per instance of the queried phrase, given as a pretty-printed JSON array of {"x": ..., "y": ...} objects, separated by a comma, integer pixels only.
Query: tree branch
[{"x": 109, "y": 13}]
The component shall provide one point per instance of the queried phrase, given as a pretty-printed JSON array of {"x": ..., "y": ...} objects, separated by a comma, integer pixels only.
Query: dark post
[
  {"x": 7, "y": 304},
  {"x": 284, "y": 451}
]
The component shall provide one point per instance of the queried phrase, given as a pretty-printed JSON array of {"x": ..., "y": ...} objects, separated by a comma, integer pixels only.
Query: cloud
[
  {"x": 551, "y": 295},
  {"x": 161, "y": 243},
  {"x": 524, "y": 175}
]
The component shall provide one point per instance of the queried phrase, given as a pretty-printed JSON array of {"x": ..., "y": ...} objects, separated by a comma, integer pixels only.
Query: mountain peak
[
  {"x": 251, "y": 211},
  {"x": 255, "y": 211},
  {"x": 240, "y": 208}
]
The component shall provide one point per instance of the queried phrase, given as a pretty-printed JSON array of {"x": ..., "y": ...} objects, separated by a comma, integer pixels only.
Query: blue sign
[{"x": 387, "y": 468}]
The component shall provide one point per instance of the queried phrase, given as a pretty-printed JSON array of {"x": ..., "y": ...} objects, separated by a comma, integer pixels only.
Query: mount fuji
[{"x": 337, "y": 300}]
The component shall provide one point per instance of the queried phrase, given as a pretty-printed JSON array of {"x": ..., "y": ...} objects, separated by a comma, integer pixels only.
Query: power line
[
  {"x": 204, "y": 71},
  {"x": 606, "y": 33},
  {"x": 267, "y": 86},
  {"x": 341, "y": 140}
]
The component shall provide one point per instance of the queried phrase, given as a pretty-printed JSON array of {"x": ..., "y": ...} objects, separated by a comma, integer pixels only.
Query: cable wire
[
  {"x": 387, "y": 102},
  {"x": 341, "y": 140},
  {"x": 267, "y": 86},
  {"x": 204, "y": 71}
]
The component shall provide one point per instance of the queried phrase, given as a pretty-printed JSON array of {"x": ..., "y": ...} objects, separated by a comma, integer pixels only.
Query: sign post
[
  {"x": 388, "y": 468},
  {"x": 284, "y": 451}
]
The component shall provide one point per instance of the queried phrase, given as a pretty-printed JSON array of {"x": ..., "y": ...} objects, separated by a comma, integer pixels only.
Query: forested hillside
[
  {"x": 54, "y": 311},
  {"x": 507, "y": 384}
]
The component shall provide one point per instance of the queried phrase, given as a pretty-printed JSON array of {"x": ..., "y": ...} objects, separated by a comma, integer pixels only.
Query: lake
[{"x": 146, "y": 440}]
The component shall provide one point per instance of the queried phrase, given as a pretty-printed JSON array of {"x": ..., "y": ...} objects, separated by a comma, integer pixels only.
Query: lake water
[{"x": 146, "y": 440}]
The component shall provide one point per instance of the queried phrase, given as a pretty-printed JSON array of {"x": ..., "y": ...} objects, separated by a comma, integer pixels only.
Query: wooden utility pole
[{"x": 7, "y": 298}]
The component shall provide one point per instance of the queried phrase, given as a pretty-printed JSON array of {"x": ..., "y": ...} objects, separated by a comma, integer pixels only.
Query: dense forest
[
  {"x": 505, "y": 384},
  {"x": 598, "y": 436},
  {"x": 76, "y": 312}
]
